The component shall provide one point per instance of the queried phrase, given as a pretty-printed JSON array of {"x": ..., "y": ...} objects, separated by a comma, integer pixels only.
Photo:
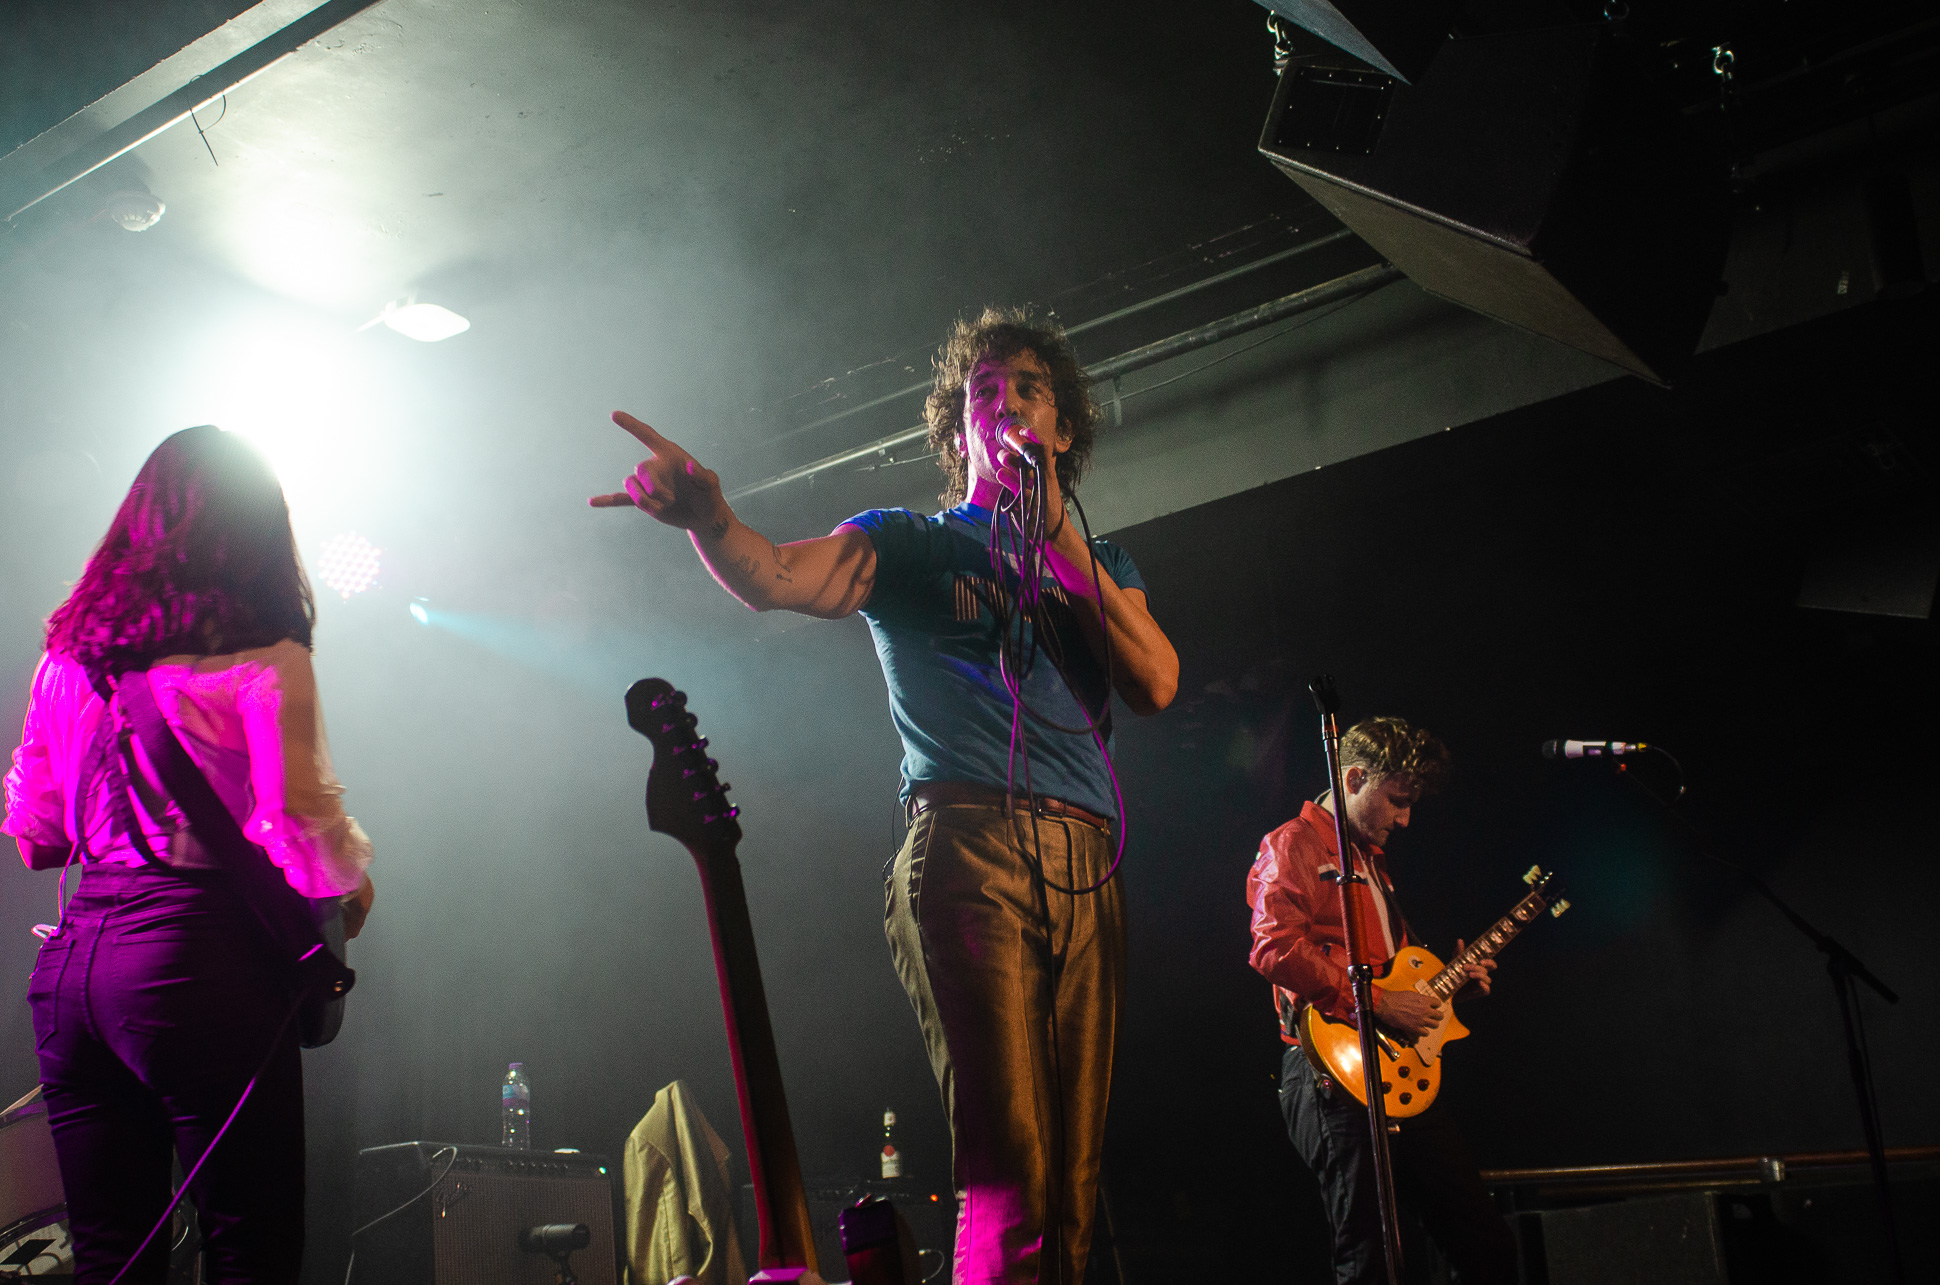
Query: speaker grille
[{"x": 465, "y": 1232}]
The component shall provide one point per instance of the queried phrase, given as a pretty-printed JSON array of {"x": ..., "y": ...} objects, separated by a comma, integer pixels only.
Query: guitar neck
[
  {"x": 781, "y": 1207},
  {"x": 1487, "y": 946}
]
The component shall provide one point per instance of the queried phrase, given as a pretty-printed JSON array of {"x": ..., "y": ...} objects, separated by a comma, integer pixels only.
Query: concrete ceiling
[{"x": 809, "y": 188}]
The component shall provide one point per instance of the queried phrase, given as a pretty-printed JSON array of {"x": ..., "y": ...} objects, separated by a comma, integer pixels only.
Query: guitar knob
[{"x": 1406, "y": 1097}]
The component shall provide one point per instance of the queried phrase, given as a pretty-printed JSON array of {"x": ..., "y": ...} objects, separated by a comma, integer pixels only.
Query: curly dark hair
[
  {"x": 999, "y": 334},
  {"x": 1393, "y": 747},
  {"x": 199, "y": 560}
]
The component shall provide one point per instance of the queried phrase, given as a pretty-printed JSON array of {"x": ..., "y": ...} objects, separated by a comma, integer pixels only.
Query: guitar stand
[
  {"x": 1847, "y": 971},
  {"x": 1361, "y": 976}
]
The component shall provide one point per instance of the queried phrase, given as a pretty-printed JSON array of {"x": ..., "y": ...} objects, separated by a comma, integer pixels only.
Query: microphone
[
  {"x": 1591, "y": 749},
  {"x": 555, "y": 1238},
  {"x": 1032, "y": 454}
]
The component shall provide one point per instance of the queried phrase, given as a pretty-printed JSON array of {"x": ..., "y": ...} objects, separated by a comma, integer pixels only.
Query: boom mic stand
[
  {"x": 1847, "y": 970},
  {"x": 1361, "y": 975}
]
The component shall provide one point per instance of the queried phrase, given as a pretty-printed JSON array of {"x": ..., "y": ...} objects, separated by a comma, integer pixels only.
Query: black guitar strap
[
  {"x": 1405, "y": 934},
  {"x": 109, "y": 756},
  {"x": 283, "y": 912}
]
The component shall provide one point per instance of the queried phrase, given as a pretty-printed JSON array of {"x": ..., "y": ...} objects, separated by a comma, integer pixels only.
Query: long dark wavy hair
[
  {"x": 998, "y": 335},
  {"x": 199, "y": 560}
]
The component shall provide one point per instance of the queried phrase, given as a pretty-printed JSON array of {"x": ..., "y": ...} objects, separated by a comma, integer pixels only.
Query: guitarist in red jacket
[{"x": 1387, "y": 766}]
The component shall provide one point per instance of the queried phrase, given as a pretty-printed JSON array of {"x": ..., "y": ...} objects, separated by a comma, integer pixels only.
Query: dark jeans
[
  {"x": 1435, "y": 1182},
  {"x": 153, "y": 1006},
  {"x": 1018, "y": 1000}
]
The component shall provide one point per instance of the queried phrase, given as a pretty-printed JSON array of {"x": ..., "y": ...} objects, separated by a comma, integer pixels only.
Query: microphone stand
[
  {"x": 1846, "y": 970},
  {"x": 1361, "y": 976}
]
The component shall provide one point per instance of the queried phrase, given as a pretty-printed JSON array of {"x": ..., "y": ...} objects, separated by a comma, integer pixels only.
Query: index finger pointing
[{"x": 641, "y": 431}]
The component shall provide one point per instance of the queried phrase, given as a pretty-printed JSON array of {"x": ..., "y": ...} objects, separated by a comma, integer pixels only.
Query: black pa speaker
[
  {"x": 1395, "y": 36},
  {"x": 1534, "y": 176},
  {"x": 464, "y": 1230}
]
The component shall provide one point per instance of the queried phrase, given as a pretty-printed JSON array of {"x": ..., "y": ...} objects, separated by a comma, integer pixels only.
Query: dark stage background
[
  {"x": 1622, "y": 562},
  {"x": 1619, "y": 563}
]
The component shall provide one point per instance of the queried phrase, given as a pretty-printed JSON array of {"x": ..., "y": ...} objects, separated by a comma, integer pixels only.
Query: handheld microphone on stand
[
  {"x": 1591, "y": 749},
  {"x": 1031, "y": 455}
]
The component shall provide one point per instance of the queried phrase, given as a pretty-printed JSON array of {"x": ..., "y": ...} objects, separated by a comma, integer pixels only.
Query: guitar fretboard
[{"x": 1455, "y": 976}]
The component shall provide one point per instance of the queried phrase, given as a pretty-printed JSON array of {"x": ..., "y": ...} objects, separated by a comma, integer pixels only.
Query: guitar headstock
[
  {"x": 1544, "y": 887},
  {"x": 685, "y": 799}
]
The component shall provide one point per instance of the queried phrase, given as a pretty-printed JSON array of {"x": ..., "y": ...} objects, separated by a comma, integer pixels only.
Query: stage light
[
  {"x": 135, "y": 211},
  {"x": 424, "y": 322},
  {"x": 349, "y": 564},
  {"x": 420, "y": 612},
  {"x": 301, "y": 392}
]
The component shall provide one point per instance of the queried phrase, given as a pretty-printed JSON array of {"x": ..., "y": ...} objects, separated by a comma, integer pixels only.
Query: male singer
[
  {"x": 1299, "y": 944},
  {"x": 1003, "y": 922}
]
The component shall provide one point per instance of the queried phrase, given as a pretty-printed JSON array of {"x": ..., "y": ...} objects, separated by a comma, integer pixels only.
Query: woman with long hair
[{"x": 160, "y": 996}]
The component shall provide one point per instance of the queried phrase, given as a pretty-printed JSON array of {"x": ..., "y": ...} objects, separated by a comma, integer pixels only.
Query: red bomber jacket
[{"x": 1298, "y": 942}]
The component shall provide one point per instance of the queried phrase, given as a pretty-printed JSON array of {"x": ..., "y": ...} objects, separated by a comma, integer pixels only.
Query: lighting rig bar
[
  {"x": 1350, "y": 286},
  {"x": 29, "y": 184}
]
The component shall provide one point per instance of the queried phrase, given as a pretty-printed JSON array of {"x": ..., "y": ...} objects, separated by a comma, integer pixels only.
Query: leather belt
[{"x": 943, "y": 794}]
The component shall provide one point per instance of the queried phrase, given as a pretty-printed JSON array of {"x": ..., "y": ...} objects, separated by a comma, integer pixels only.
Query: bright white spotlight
[
  {"x": 425, "y": 322},
  {"x": 300, "y": 389},
  {"x": 419, "y": 612},
  {"x": 349, "y": 563}
]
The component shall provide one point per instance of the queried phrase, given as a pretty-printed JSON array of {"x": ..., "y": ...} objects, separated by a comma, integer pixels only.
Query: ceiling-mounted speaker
[
  {"x": 1533, "y": 176},
  {"x": 1394, "y": 36}
]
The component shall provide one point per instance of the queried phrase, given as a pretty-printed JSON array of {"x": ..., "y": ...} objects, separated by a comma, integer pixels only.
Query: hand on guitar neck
[{"x": 1477, "y": 971}]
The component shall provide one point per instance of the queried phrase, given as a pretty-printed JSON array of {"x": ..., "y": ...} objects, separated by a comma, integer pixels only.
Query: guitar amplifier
[{"x": 464, "y": 1230}]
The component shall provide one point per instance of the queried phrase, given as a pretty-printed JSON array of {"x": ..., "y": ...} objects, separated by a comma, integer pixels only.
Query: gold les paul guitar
[{"x": 1411, "y": 1074}]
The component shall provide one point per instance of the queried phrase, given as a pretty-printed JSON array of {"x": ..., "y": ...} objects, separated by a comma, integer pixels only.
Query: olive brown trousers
[{"x": 1017, "y": 986}]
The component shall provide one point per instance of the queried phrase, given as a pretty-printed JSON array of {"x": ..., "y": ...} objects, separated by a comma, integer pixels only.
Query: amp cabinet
[{"x": 465, "y": 1230}]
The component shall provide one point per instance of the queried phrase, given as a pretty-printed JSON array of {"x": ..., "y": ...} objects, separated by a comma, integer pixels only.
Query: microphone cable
[
  {"x": 1021, "y": 630},
  {"x": 429, "y": 1187}
]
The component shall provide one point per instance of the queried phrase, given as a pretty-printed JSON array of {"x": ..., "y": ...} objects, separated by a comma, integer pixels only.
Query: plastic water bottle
[
  {"x": 515, "y": 1109},
  {"x": 892, "y": 1155}
]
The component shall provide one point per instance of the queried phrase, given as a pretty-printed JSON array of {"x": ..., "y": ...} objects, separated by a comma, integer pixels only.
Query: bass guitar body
[{"x": 1411, "y": 1074}]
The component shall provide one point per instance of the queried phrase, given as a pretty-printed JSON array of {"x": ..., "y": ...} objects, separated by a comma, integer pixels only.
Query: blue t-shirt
[{"x": 937, "y": 638}]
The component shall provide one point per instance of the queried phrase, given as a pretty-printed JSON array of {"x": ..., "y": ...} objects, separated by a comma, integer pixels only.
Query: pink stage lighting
[{"x": 349, "y": 563}]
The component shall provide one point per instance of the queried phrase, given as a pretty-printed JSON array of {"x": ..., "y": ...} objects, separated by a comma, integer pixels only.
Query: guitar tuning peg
[
  {"x": 1556, "y": 910},
  {"x": 1535, "y": 873},
  {"x": 714, "y": 765},
  {"x": 724, "y": 787}
]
